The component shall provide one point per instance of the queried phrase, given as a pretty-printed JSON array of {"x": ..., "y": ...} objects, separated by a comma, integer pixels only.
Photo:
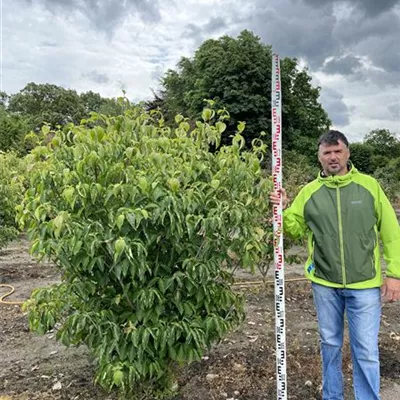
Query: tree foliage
[
  {"x": 144, "y": 223},
  {"x": 46, "y": 103},
  {"x": 388, "y": 176},
  {"x": 361, "y": 154},
  {"x": 13, "y": 128},
  {"x": 11, "y": 193},
  {"x": 37, "y": 105},
  {"x": 236, "y": 73},
  {"x": 379, "y": 155},
  {"x": 383, "y": 142}
]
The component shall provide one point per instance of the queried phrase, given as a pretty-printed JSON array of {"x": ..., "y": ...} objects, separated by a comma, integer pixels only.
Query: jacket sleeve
[
  {"x": 389, "y": 230},
  {"x": 294, "y": 224}
]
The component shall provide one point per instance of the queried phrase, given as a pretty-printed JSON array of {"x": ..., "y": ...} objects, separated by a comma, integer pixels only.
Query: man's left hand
[{"x": 390, "y": 290}]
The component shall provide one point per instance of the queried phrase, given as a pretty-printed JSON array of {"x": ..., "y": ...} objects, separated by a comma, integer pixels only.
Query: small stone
[
  {"x": 211, "y": 377},
  {"x": 53, "y": 352},
  {"x": 308, "y": 383},
  {"x": 236, "y": 392},
  {"x": 394, "y": 336},
  {"x": 238, "y": 367},
  {"x": 224, "y": 394},
  {"x": 45, "y": 377},
  {"x": 57, "y": 386}
]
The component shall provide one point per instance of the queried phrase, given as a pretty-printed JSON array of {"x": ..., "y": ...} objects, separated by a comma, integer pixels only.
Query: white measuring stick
[{"x": 280, "y": 325}]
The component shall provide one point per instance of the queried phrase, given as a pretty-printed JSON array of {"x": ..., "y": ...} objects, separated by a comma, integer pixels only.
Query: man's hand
[
  {"x": 390, "y": 290},
  {"x": 274, "y": 198}
]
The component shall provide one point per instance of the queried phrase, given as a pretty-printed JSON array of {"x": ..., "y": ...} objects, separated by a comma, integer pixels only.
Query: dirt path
[{"x": 241, "y": 367}]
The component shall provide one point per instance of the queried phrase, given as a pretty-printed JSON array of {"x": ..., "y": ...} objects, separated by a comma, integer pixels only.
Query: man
[{"x": 342, "y": 212}]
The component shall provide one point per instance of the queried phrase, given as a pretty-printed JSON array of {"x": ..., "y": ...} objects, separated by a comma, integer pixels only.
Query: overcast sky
[{"x": 351, "y": 47}]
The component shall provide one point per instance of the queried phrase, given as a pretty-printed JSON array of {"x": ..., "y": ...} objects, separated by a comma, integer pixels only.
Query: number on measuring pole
[{"x": 280, "y": 334}]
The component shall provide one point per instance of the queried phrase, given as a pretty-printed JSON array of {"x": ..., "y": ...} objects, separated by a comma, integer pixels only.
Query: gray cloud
[
  {"x": 357, "y": 28},
  {"x": 312, "y": 30},
  {"x": 394, "y": 110},
  {"x": 200, "y": 32},
  {"x": 122, "y": 85},
  {"x": 333, "y": 103},
  {"x": 192, "y": 31},
  {"x": 46, "y": 43},
  {"x": 369, "y": 7},
  {"x": 96, "y": 77},
  {"x": 215, "y": 24},
  {"x": 157, "y": 73},
  {"x": 345, "y": 65},
  {"x": 384, "y": 53},
  {"x": 104, "y": 15},
  {"x": 296, "y": 29}
]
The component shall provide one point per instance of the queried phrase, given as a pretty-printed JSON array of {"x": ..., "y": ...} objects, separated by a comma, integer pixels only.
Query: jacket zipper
[{"x": 339, "y": 210}]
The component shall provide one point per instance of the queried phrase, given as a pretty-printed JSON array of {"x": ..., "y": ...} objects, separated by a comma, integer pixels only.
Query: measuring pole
[{"x": 280, "y": 325}]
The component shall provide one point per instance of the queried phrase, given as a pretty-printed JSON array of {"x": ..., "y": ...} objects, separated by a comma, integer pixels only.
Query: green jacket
[{"x": 342, "y": 216}]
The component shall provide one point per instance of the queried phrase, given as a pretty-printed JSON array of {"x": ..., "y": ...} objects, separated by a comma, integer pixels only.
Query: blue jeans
[{"x": 363, "y": 309}]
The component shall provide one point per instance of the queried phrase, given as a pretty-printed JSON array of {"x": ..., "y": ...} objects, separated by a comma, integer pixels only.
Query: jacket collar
[{"x": 338, "y": 180}]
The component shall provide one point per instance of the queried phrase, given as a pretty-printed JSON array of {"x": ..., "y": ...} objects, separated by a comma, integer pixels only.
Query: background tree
[
  {"x": 3, "y": 99},
  {"x": 383, "y": 143},
  {"x": 379, "y": 155},
  {"x": 46, "y": 103},
  {"x": 93, "y": 102},
  {"x": 13, "y": 127},
  {"x": 389, "y": 177},
  {"x": 361, "y": 154},
  {"x": 54, "y": 105},
  {"x": 236, "y": 73},
  {"x": 11, "y": 193}
]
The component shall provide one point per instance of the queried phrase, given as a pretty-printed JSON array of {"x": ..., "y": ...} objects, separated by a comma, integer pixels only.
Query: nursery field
[{"x": 242, "y": 366}]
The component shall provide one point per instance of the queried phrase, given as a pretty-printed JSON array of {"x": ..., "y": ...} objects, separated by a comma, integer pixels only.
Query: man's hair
[{"x": 332, "y": 138}]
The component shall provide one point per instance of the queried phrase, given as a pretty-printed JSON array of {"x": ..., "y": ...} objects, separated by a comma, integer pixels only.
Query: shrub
[
  {"x": 144, "y": 222},
  {"x": 389, "y": 177},
  {"x": 11, "y": 193},
  {"x": 361, "y": 155}
]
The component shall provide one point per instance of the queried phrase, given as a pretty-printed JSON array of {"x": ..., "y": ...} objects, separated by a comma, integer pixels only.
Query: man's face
[{"x": 334, "y": 158}]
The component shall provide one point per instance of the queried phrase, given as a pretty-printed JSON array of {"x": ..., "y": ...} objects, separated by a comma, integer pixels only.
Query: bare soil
[{"x": 241, "y": 367}]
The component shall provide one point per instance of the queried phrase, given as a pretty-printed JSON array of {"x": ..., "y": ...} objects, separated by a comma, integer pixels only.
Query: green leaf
[
  {"x": 215, "y": 183},
  {"x": 77, "y": 247},
  {"x": 221, "y": 126},
  {"x": 241, "y": 126},
  {"x": 120, "y": 221},
  {"x": 119, "y": 246},
  {"x": 207, "y": 114},
  {"x": 178, "y": 118},
  {"x": 174, "y": 184},
  {"x": 118, "y": 377},
  {"x": 68, "y": 195},
  {"x": 143, "y": 184}
]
